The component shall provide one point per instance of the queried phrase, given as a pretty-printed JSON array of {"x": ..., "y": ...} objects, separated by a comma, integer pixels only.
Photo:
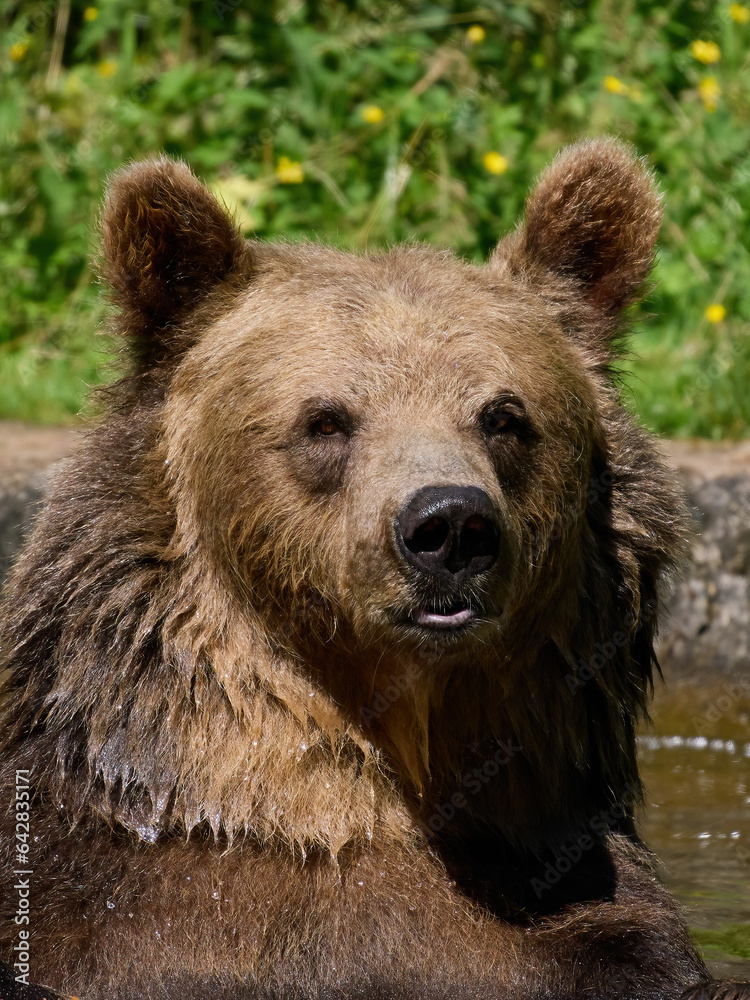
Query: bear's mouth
[{"x": 435, "y": 616}]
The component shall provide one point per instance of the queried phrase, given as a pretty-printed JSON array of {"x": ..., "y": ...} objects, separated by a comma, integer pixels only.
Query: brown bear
[{"x": 323, "y": 662}]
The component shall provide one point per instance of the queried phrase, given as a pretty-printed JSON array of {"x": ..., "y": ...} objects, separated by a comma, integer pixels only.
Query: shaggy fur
[{"x": 254, "y": 776}]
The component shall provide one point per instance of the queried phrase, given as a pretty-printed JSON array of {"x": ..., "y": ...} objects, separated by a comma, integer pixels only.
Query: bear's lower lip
[{"x": 451, "y": 618}]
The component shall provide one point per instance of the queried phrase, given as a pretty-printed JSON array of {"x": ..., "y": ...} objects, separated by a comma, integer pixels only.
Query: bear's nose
[{"x": 449, "y": 531}]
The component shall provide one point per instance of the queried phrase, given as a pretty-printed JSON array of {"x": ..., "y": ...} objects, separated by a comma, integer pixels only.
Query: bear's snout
[{"x": 449, "y": 531}]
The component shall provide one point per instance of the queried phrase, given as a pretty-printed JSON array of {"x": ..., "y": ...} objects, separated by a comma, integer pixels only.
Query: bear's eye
[
  {"x": 506, "y": 414},
  {"x": 325, "y": 426},
  {"x": 497, "y": 421}
]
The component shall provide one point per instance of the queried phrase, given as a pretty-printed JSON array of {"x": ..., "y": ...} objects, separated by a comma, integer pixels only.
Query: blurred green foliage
[
  {"x": 364, "y": 122},
  {"x": 731, "y": 940}
]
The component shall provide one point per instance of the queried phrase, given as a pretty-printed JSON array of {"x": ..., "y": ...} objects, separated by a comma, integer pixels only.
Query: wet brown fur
[{"x": 199, "y": 634}]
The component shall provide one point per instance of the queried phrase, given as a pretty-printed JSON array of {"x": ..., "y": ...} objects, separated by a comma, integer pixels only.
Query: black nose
[{"x": 449, "y": 531}]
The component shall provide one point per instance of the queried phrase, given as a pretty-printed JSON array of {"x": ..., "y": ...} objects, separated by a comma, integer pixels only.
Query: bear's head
[{"x": 394, "y": 500}]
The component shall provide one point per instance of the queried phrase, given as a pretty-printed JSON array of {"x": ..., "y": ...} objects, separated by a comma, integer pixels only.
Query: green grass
[
  {"x": 734, "y": 940},
  {"x": 692, "y": 385},
  {"x": 49, "y": 381},
  {"x": 234, "y": 88}
]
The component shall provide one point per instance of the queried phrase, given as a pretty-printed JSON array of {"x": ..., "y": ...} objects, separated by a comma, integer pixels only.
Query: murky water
[{"x": 697, "y": 821}]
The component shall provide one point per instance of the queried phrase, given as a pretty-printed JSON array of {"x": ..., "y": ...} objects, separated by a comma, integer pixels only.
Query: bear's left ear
[
  {"x": 166, "y": 243},
  {"x": 593, "y": 219}
]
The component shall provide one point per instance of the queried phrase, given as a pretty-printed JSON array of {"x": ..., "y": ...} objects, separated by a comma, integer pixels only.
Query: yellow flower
[
  {"x": 372, "y": 114},
  {"x": 107, "y": 68},
  {"x": 475, "y": 34},
  {"x": 710, "y": 92},
  {"x": 18, "y": 51},
  {"x": 90, "y": 14},
  {"x": 705, "y": 52},
  {"x": 289, "y": 171},
  {"x": 739, "y": 13},
  {"x": 715, "y": 313},
  {"x": 495, "y": 162},
  {"x": 614, "y": 86}
]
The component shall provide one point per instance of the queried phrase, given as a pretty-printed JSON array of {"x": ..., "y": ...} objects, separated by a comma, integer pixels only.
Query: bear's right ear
[
  {"x": 592, "y": 220},
  {"x": 166, "y": 242}
]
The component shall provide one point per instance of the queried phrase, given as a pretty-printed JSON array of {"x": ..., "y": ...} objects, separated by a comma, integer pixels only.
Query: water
[{"x": 697, "y": 820}]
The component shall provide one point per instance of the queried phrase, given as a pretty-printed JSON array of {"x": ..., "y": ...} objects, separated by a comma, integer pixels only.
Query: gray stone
[
  {"x": 20, "y": 495},
  {"x": 706, "y": 631},
  {"x": 27, "y": 455}
]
